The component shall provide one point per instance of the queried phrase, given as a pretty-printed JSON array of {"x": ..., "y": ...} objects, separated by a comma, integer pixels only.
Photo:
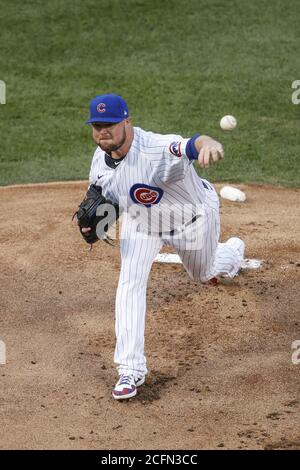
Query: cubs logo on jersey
[
  {"x": 174, "y": 149},
  {"x": 146, "y": 195}
]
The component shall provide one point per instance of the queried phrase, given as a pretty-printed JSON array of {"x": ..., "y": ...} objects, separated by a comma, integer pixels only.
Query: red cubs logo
[
  {"x": 101, "y": 107},
  {"x": 174, "y": 149},
  {"x": 146, "y": 195}
]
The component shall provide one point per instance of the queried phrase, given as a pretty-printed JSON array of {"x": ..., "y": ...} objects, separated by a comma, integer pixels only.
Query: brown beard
[{"x": 114, "y": 148}]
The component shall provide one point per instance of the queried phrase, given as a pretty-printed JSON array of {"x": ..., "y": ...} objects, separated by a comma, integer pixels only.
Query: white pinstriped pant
[{"x": 137, "y": 256}]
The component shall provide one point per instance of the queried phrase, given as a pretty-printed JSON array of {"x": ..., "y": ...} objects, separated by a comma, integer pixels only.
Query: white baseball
[{"x": 228, "y": 123}]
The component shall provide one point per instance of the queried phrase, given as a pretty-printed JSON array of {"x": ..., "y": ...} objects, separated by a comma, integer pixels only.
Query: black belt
[{"x": 175, "y": 230}]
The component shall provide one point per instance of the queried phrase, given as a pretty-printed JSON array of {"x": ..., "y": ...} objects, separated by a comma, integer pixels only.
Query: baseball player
[{"x": 152, "y": 178}]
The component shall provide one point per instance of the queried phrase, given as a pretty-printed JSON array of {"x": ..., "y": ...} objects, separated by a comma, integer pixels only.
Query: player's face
[{"x": 109, "y": 136}]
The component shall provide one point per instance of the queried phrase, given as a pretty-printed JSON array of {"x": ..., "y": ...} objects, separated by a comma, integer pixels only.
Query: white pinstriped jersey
[
  {"x": 152, "y": 175},
  {"x": 156, "y": 173}
]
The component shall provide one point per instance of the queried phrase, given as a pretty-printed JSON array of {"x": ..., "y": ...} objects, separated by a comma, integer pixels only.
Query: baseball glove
[{"x": 88, "y": 215}]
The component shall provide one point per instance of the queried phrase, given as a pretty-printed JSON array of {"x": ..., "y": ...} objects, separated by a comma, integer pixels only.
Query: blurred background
[{"x": 181, "y": 66}]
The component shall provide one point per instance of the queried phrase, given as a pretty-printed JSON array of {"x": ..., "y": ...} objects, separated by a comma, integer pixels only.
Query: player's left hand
[{"x": 210, "y": 151}]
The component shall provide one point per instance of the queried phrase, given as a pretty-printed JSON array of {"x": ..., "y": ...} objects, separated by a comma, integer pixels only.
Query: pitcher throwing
[{"x": 151, "y": 177}]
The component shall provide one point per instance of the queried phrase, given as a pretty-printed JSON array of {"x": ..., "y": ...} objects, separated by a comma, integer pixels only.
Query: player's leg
[
  {"x": 229, "y": 257},
  {"x": 137, "y": 255},
  {"x": 206, "y": 258},
  {"x": 197, "y": 246}
]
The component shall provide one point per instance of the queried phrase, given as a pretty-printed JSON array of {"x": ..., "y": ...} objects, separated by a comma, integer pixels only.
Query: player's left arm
[
  {"x": 209, "y": 150},
  {"x": 179, "y": 153},
  {"x": 205, "y": 149}
]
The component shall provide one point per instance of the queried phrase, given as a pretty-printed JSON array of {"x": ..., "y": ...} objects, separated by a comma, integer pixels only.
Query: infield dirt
[{"x": 219, "y": 357}]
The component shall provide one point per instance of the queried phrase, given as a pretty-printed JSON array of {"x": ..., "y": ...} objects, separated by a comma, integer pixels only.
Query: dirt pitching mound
[{"x": 220, "y": 357}]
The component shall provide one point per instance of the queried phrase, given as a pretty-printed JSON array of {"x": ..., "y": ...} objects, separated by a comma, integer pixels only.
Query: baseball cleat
[{"x": 126, "y": 387}]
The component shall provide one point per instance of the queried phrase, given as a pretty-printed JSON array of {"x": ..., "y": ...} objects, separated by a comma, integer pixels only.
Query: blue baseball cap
[{"x": 108, "y": 108}]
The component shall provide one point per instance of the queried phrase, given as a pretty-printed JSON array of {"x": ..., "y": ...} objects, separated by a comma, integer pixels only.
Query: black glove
[{"x": 87, "y": 217}]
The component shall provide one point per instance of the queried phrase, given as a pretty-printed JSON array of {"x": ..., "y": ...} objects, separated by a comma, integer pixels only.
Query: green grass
[{"x": 181, "y": 65}]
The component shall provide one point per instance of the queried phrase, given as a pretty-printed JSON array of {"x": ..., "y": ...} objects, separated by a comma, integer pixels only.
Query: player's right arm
[
  {"x": 92, "y": 179},
  {"x": 93, "y": 175}
]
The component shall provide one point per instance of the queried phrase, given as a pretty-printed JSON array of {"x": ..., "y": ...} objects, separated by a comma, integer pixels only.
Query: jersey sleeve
[
  {"x": 171, "y": 162},
  {"x": 94, "y": 168}
]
